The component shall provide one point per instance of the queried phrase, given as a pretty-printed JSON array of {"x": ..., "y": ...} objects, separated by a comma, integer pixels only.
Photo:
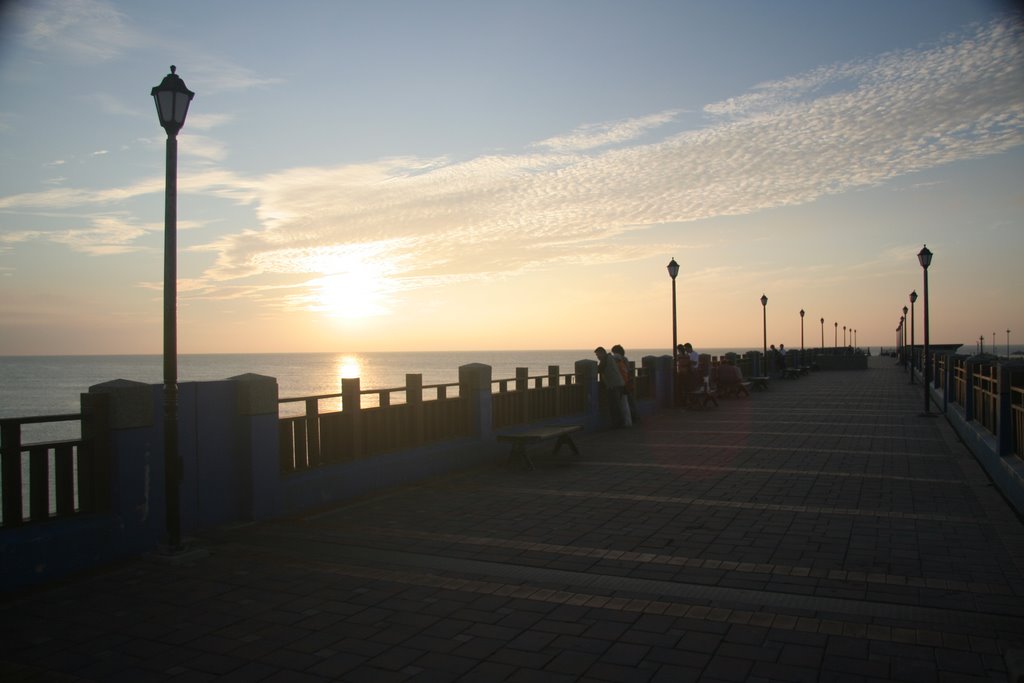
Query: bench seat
[{"x": 521, "y": 439}]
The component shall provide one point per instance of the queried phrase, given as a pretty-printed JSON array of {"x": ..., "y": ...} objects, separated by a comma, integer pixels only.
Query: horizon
[{"x": 407, "y": 177}]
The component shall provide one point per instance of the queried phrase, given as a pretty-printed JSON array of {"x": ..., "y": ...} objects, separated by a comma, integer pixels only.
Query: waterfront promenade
[{"x": 820, "y": 530}]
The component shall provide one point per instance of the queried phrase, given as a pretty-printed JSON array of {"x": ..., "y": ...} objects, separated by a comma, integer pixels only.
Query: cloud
[
  {"x": 428, "y": 222},
  {"x": 405, "y": 222},
  {"x": 81, "y": 29},
  {"x": 604, "y": 134}
]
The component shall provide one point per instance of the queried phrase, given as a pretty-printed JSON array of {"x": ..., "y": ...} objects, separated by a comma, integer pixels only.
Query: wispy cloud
[
  {"x": 592, "y": 136},
  {"x": 790, "y": 142},
  {"x": 82, "y": 29},
  {"x": 411, "y": 222}
]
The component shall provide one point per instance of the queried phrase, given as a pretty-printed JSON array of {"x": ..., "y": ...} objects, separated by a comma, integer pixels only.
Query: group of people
[
  {"x": 688, "y": 376},
  {"x": 617, "y": 378},
  {"x": 776, "y": 360}
]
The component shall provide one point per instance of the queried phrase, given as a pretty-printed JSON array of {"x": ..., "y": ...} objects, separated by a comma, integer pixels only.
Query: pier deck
[{"x": 819, "y": 531}]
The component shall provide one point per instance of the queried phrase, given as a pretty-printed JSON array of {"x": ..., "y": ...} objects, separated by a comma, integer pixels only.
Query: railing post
[
  {"x": 968, "y": 406},
  {"x": 475, "y": 389},
  {"x": 10, "y": 467},
  {"x": 352, "y": 407},
  {"x": 1004, "y": 418},
  {"x": 94, "y": 463},
  {"x": 554, "y": 385},
  {"x": 523, "y": 394},
  {"x": 948, "y": 381},
  {"x": 586, "y": 377},
  {"x": 312, "y": 428},
  {"x": 414, "y": 400}
]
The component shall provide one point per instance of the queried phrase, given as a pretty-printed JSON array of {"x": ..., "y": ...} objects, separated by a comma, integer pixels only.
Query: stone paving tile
[{"x": 820, "y": 530}]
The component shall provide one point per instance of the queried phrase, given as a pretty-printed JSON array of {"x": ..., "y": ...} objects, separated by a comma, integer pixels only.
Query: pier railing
[
  {"x": 72, "y": 504},
  {"x": 401, "y": 420},
  {"x": 49, "y": 480},
  {"x": 982, "y": 397}
]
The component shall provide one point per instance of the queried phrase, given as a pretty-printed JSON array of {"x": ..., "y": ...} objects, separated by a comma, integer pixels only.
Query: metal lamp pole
[
  {"x": 764, "y": 331},
  {"x": 913, "y": 298},
  {"x": 172, "y": 99},
  {"x": 801, "y": 331},
  {"x": 924, "y": 257},
  {"x": 822, "y": 334},
  {"x": 904, "y": 319},
  {"x": 835, "y": 336},
  {"x": 673, "y": 271}
]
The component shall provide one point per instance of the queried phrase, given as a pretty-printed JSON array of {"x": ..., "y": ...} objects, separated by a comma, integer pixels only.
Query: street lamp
[
  {"x": 904, "y": 318},
  {"x": 172, "y": 99},
  {"x": 673, "y": 270},
  {"x": 764, "y": 331},
  {"x": 1007, "y": 345},
  {"x": 913, "y": 298},
  {"x": 844, "y": 335},
  {"x": 901, "y": 340},
  {"x": 924, "y": 257},
  {"x": 822, "y": 334},
  {"x": 801, "y": 333},
  {"x": 835, "y": 337}
]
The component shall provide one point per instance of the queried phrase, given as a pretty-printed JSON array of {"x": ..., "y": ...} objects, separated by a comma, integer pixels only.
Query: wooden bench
[
  {"x": 791, "y": 373},
  {"x": 759, "y": 382},
  {"x": 734, "y": 388},
  {"x": 520, "y": 440},
  {"x": 699, "y": 398}
]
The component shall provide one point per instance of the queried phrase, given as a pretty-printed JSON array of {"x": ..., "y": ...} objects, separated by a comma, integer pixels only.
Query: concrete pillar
[
  {"x": 475, "y": 388},
  {"x": 414, "y": 399},
  {"x": 136, "y": 463},
  {"x": 586, "y": 377},
  {"x": 258, "y": 444}
]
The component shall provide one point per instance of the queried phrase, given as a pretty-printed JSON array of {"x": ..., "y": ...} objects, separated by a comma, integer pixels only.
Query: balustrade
[{"x": 49, "y": 479}]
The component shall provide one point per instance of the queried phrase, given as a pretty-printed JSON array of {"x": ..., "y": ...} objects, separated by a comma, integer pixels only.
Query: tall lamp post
[
  {"x": 835, "y": 336},
  {"x": 905, "y": 319},
  {"x": 822, "y": 334},
  {"x": 924, "y": 257},
  {"x": 764, "y": 331},
  {"x": 913, "y": 298},
  {"x": 1007, "y": 345},
  {"x": 172, "y": 100},
  {"x": 673, "y": 271},
  {"x": 902, "y": 329},
  {"x": 801, "y": 332}
]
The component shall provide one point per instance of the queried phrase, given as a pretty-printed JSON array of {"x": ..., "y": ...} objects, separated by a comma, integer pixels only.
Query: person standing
[
  {"x": 630, "y": 385},
  {"x": 611, "y": 377}
]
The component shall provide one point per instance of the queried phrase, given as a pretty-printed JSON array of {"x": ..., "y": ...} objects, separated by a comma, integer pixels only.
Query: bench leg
[
  {"x": 567, "y": 440},
  {"x": 519, "y": 451}
]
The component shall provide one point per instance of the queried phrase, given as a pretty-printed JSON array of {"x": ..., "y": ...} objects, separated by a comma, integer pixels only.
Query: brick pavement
[{"x": 821, "y": 530}]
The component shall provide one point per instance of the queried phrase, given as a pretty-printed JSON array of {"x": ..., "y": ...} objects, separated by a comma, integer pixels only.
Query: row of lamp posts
[{"x": 924, "y": 257}]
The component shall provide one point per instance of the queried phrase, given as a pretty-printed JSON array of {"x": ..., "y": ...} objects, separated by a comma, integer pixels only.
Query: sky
[{"x": 470, "y": 175}]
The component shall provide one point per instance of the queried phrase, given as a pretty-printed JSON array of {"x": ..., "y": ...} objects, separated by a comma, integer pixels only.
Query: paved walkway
[{"x": 821, "y": 530}]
